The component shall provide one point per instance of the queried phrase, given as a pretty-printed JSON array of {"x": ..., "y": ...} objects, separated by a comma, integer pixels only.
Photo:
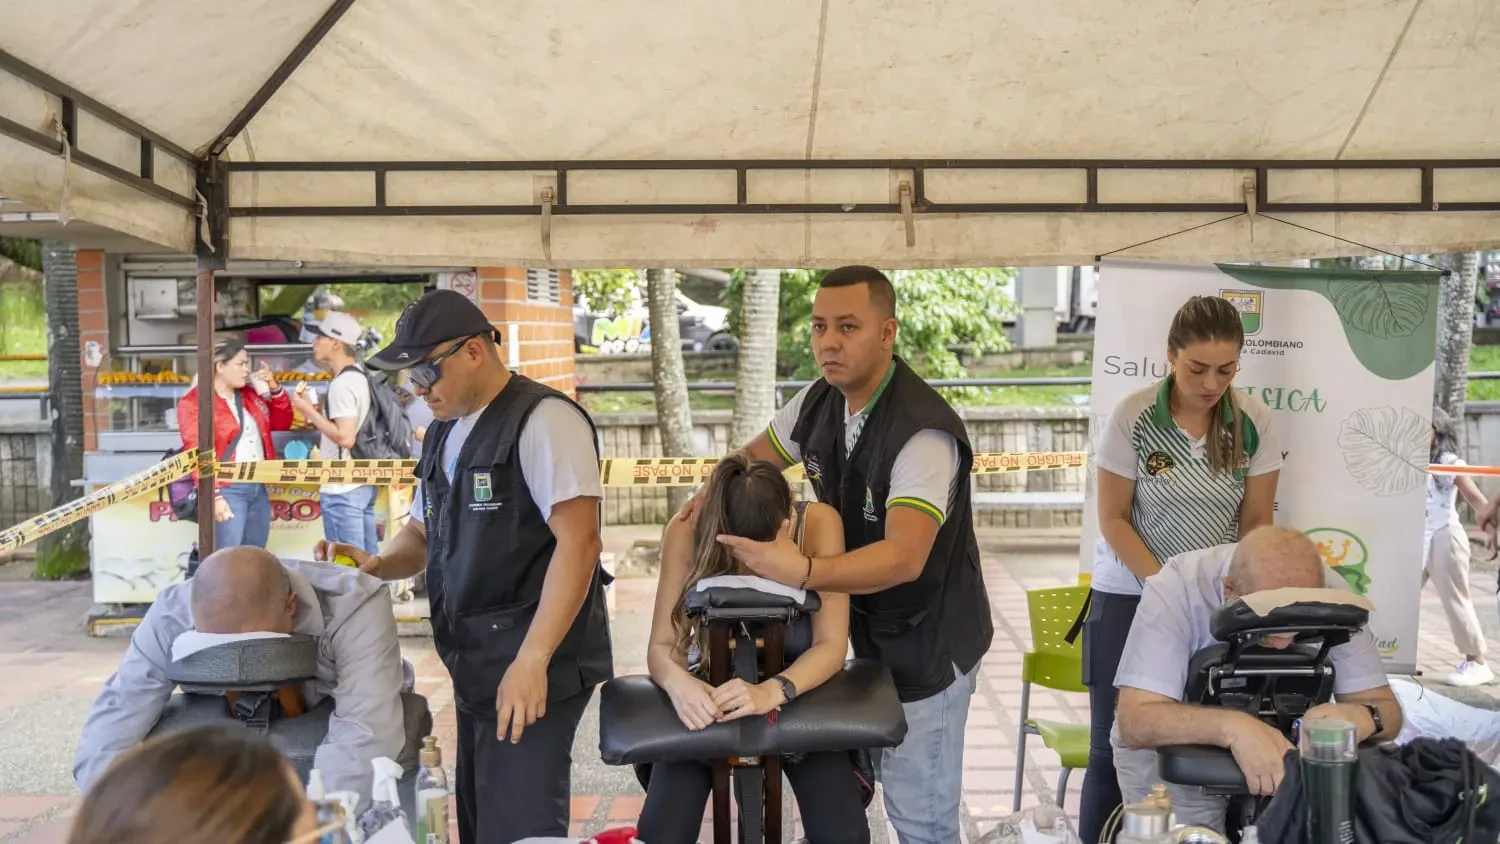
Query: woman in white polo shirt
[{"x": 1185, "y": 464}]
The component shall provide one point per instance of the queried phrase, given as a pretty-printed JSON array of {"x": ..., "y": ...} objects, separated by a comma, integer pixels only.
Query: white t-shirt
[
  {"x": 348, "y": 396},
  {"x": 924, "y": 476},
  {"x": 250, "y": 448},
  {"x": 1442, "y": 503},
  {"x": 557, "y": 455},
  {"x": 1180, "y": 504}
]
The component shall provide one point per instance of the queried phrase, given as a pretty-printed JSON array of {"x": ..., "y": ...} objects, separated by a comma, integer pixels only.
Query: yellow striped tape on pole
[{"x": 143, "y": 481}]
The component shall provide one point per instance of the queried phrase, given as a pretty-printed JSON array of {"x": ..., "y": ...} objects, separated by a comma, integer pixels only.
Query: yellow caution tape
[
  {"x": 143, "y": 481},
  {"x": 614, "y": 471}
]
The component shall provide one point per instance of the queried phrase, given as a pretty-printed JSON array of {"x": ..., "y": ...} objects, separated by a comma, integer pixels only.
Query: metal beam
[
  {"x": 917, "y": 167},
  {"x": 279, "y": 76},
  {"x": 49, "y": 144}
]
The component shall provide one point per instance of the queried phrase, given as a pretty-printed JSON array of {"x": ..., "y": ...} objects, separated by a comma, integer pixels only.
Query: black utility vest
[
  {"x": 488, "y": 550},
  {"x": 921, "y": 629}
]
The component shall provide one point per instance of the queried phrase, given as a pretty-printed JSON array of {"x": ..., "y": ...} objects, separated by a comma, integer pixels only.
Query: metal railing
[{"x": 783, "y": 386}]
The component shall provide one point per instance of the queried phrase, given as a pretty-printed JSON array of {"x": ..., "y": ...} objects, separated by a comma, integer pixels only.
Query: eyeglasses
[{"x": 427, "y": 373}]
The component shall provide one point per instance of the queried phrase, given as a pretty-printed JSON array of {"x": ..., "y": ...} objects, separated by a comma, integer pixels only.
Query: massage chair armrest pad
[
  {"x": 856, "y": 709},
  {"x": 252, "y": 662},
  {"x": 1331, "y": 609},
  {"x": 741, "y": 598},
  {"x": 1200, "y": 765}
]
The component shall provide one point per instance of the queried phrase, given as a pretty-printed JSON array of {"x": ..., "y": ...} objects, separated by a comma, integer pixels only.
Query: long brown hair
[
  {"x": 205, "y": 785},
  {"x": 1212, "y": 319},
  {"x": 748, "y": 498}
]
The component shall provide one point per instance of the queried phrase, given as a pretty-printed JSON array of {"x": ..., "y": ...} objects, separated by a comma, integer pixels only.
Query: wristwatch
[
  {"x": 1375, "y": 716},
  {"x": 788, "y": 690}
]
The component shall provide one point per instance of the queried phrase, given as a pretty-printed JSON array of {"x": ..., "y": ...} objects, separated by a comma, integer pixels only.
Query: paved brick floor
[{"x": 51, "y": 671}]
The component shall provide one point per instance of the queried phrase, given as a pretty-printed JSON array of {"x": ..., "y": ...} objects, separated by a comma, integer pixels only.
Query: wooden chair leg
[{"x": 721, "y": 803}]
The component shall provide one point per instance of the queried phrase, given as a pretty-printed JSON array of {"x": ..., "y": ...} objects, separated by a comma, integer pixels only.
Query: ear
[
  {"x": 291, "y": 603},
  {"x": 1172, "y": 356},
  {"x": 1229, "y": 591},
  {"x": 888, "y": 331}
]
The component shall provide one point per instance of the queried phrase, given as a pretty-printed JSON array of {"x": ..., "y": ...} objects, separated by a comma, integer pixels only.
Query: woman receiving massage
[{"x": 753, "y": 500}]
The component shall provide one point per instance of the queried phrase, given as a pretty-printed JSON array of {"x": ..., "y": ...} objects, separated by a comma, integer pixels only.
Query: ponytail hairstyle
[
  {"x": 1212, "y": 319},
  {"x": 745, "y": 498},
  {"x": 1444, "y": 434}
]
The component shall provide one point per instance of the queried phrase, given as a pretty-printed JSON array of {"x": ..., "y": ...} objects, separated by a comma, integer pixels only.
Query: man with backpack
[{"x": 357, "y": 421}]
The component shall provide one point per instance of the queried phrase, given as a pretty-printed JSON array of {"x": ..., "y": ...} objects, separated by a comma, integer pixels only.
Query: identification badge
[{"x": 483, "y": 490}]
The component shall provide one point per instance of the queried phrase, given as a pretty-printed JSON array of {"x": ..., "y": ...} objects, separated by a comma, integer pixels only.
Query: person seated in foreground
[
  {"x": 1173, "y": 623},
  {"x": 750, "y": 499},
  {"x": 247, "y": 590},
  {"x": 204, "y": 785}
]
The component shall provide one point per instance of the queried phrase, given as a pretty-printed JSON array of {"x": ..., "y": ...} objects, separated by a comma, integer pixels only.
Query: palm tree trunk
[
  {"x": 66, "y": 551},
  {"x": 669, "y": 376},
  {"x": 755, "y": 378},
  {"x": 1455, "y": 335}
]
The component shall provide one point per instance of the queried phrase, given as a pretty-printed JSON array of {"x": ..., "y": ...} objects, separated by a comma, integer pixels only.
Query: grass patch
[
  {"x": 64, "y": 554},
  {"x": 1484, "y": 359},
  {"x": 23, "y": 330}
]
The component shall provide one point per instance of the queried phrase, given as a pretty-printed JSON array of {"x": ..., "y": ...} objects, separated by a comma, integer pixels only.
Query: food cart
[{"x": 138, "y": 546}]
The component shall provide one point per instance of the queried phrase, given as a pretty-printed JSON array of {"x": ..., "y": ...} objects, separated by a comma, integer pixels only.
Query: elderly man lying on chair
[
  {"x": 244, "y": 592},
  {"x": 1173, "y": 623}
]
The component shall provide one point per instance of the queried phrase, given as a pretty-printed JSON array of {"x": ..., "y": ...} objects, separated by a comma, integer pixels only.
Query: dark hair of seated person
[
  {"x": 204, "y": 785},
  {"x": 748, "y": 498}
]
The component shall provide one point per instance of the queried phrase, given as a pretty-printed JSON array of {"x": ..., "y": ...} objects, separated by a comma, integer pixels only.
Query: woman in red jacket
[{"x": 246, "y": 410}]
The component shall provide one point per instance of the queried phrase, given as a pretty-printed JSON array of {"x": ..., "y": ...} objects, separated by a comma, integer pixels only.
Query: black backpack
[{"x": 386, "y": 433}]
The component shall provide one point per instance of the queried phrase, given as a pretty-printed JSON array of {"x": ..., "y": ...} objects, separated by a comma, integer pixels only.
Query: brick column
[
  {"x": 93, "y": 326},
  {"x": 544, "y": 328}
]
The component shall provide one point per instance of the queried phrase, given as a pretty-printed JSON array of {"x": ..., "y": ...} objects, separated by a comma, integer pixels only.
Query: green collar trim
[
  {"x": 879, "y": 391},
  {"x": 1161, "y": 411}
]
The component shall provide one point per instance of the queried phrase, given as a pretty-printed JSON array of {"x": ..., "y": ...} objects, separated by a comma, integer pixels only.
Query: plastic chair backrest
[{"x": 1052, "y": 662}]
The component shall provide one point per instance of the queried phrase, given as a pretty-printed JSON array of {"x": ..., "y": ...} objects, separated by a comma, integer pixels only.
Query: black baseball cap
[{"x": 437, "y": 318}]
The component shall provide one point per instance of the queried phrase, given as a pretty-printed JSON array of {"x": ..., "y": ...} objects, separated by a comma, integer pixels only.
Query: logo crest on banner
[
  {"x": 483, "y": 490},
  {"x": 1345, "y": 553},
  {"x": 1250, "y": 304}
]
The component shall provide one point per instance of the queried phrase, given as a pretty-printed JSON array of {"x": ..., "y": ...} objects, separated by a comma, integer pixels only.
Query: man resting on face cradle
[{"x": 1173, "y": 623}]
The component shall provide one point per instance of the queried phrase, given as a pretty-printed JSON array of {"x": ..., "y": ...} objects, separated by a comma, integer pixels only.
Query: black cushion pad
[
  {"x": 249, "y": 663},
  {"x": 739, "y": 598},
  {"x": 857, "y": 708},
  {"x": 1236, "y": 617},
  {"x": 1200, "y": 765}
]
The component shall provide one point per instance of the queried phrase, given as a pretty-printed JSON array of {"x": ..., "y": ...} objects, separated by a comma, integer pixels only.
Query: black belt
[{"x": 1083, "y": 615}]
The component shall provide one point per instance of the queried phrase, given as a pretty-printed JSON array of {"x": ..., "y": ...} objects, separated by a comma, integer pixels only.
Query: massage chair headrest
[
  {"x": 1302, "y": 611},
  {"x": 248, "y": 665},
  {"x": 747, "y": 597}
]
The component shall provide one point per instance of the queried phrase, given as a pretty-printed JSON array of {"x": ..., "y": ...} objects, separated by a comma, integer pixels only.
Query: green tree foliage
[
  {"x": 938, "y": 309},
  {"x": 606, "y": 291},
  {"x": 26, "y": 252}
]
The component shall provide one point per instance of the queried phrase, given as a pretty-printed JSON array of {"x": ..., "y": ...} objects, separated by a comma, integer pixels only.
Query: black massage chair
[
  {"x": 257, "y": 683},
  {"x": 856, "y": 710},
  {"x": 1276, "y": 686}
]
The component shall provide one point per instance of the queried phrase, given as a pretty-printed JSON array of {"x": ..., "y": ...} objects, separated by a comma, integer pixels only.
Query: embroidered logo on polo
[
  {"x": 1158, "y": 462},
  {"x": 483, "y": 494},
  {"x": 870, "y": 506}
]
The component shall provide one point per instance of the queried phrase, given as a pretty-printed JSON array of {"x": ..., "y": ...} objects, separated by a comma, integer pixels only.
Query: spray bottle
[
  {"x": 385, "y": 802},
  {"x": 328, "y": 811},
  {"x": 432, "y": 795}
]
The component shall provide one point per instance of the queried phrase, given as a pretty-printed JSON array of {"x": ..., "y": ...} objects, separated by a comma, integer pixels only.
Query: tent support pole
[{"x": 211, "y": 248}]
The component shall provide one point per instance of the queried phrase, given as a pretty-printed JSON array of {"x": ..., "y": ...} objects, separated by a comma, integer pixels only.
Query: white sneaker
[{"x": 1471, "y": 673}]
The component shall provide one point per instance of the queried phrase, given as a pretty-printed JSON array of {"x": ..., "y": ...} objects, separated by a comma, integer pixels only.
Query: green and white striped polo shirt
[{"x": 1181, "y": 504}]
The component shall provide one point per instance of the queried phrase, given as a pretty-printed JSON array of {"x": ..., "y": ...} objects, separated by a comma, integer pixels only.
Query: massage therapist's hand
[
  {"x": 522, "y": 697},
  {"x": 1258, "y": 749},
  {"x": 738, "y": 698},
  {"x": 329, "y": 552},
  {"x": 694, "y": 701},
  {"x": 779, "y": 560}
]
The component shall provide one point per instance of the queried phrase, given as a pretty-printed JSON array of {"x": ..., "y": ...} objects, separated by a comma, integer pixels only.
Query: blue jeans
[
  {"x": 923, "y": 776},
  {"x": 251, "y": 522},
  {"x": 349, "y": 517}
]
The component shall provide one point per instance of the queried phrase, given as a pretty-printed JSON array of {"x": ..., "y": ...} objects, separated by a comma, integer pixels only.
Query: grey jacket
[{"x": 359, "y": 666}]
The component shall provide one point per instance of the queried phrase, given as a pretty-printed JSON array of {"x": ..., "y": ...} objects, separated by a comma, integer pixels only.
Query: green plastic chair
[{"x": 1053, "y": 664}]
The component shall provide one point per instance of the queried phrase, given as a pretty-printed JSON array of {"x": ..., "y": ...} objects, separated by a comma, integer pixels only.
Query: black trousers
[
  {"x": 506, "y": 791},
  {"x": 1104, "y": 636},
  {"x": 827, "y": 794}
]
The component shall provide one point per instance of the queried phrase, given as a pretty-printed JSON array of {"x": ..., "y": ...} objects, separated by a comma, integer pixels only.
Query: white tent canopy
[{"x": 760, "y": 132}]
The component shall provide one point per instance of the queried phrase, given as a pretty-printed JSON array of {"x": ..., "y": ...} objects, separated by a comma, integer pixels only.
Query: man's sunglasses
[{"x": 427, "y": 373}]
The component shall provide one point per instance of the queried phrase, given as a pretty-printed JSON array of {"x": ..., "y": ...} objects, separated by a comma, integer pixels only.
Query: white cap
[{"x": 339, "y": 326}]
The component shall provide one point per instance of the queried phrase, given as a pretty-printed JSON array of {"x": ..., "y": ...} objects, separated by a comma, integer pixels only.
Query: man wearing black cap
[{"x": 505, "y": 521}]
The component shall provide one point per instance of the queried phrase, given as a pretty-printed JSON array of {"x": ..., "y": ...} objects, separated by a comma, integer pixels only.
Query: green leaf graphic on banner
[
  {"x": 1389, "y": 318},
  {"x": 1354, "y": 576},
  {"x": 1379, "y": 307},
  {"x": 1386, "y": 450}
]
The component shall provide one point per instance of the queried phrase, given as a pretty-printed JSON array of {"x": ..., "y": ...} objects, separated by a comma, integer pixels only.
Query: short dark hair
[{"x": 882, "y": 292}]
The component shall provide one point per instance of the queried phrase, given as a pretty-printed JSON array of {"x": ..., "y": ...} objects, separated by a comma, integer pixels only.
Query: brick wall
[
  {"x": 544, "y": 328},
  {"x": 92, "y": 327}
]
